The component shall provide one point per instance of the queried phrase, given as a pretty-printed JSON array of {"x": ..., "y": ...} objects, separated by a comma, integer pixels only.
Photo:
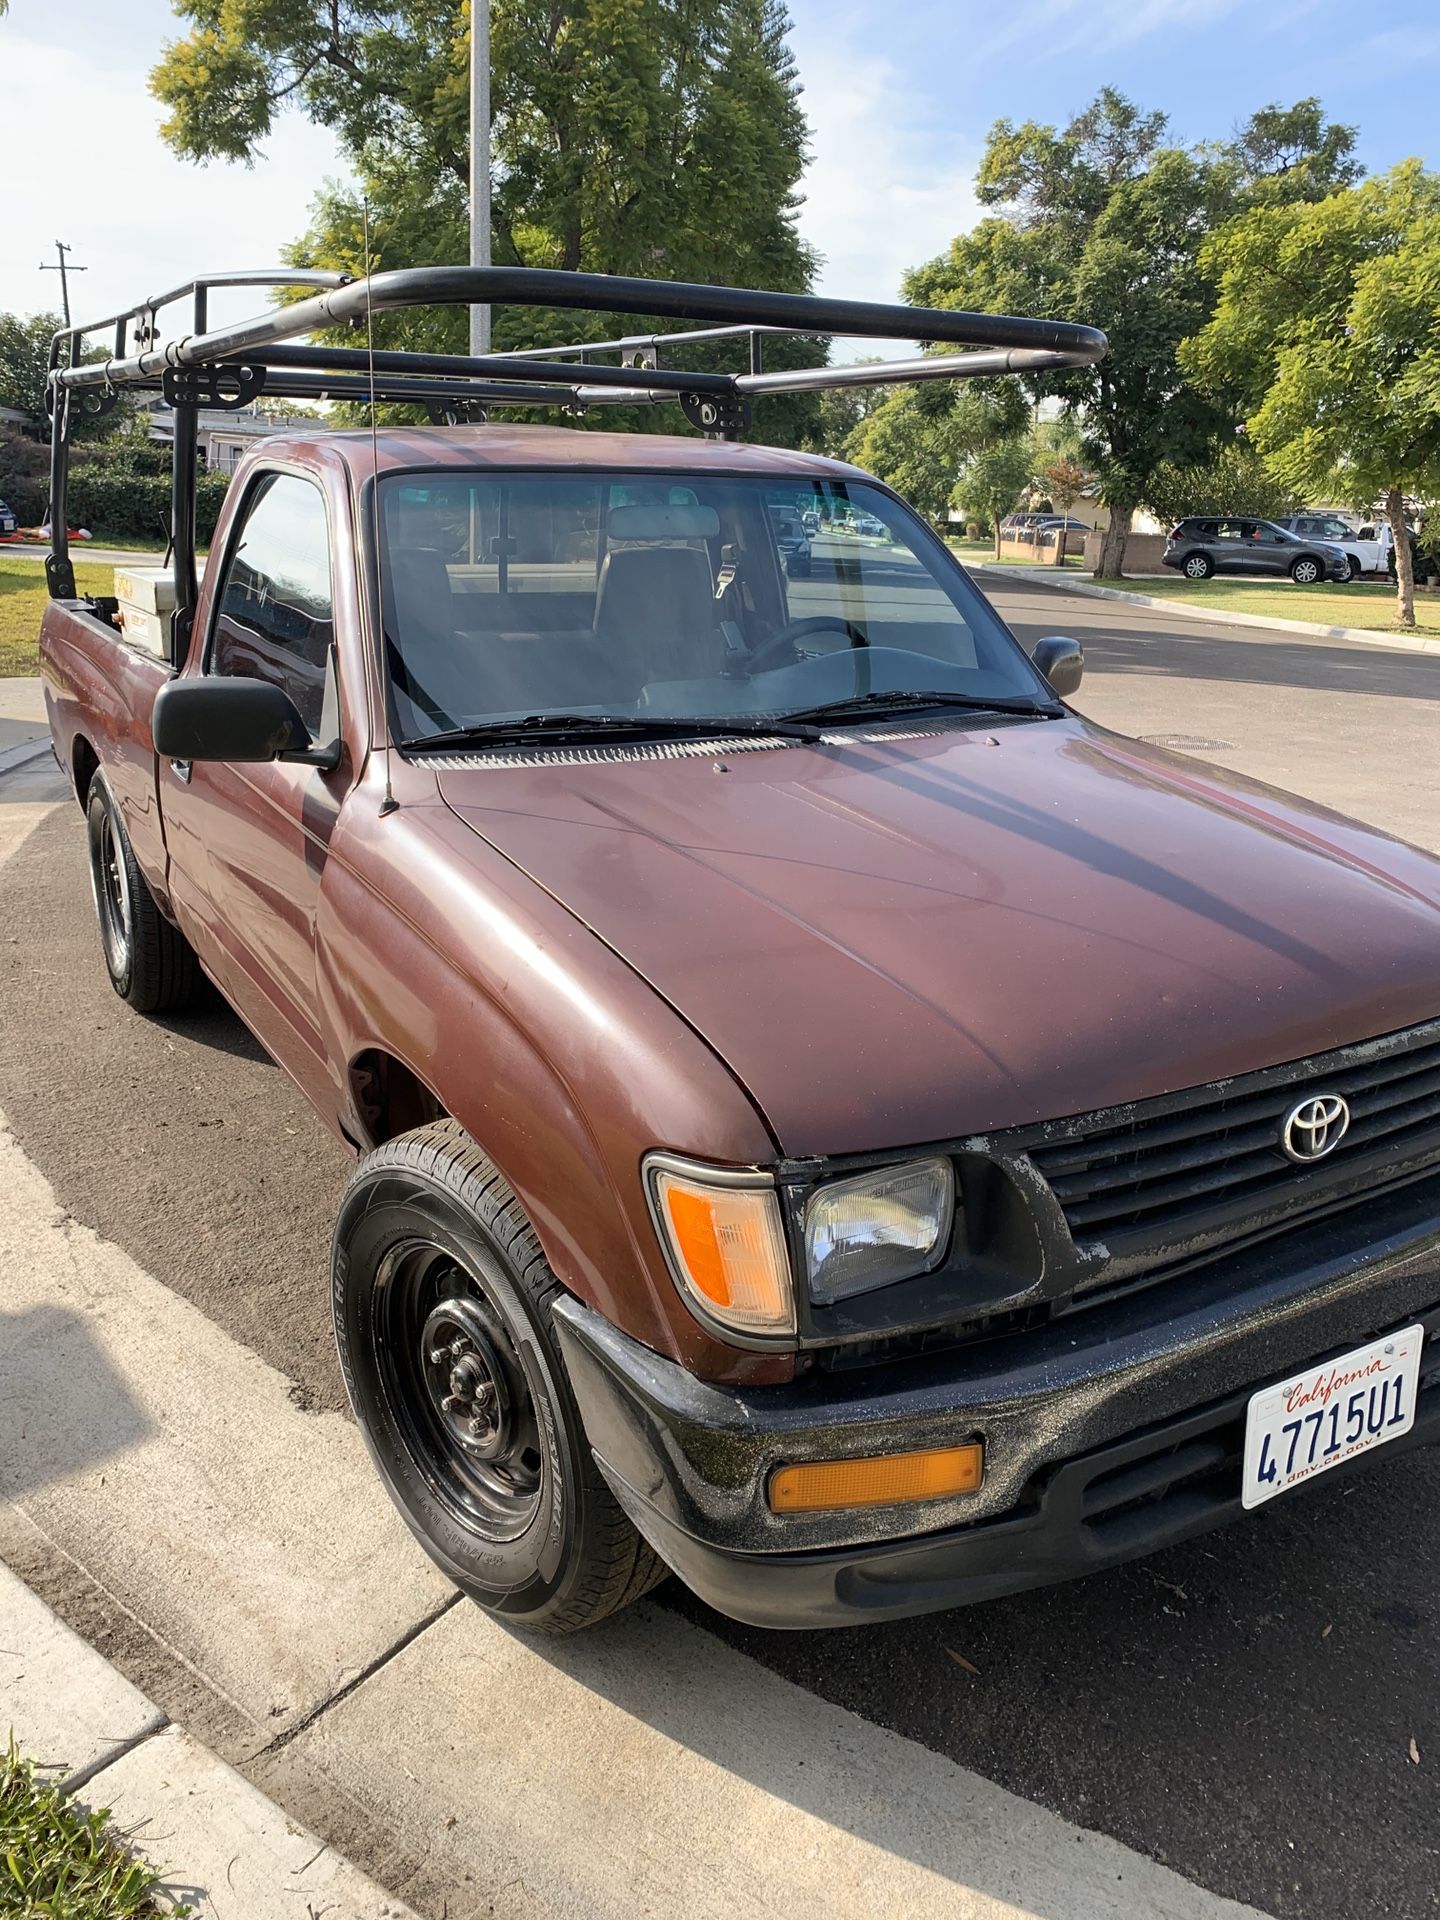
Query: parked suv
[
  {"x": 1226, "y": 544},
  {"x": 8, "y": 524}
]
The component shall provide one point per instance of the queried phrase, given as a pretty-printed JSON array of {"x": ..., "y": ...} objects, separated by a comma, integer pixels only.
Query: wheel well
[
  {"x": 84, "y": 763},
  {"x": 389, "y": 1097}
]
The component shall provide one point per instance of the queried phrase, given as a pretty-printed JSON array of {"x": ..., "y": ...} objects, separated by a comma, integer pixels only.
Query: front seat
[
  {"x": 423, "y": 644},
  {"x": 655, "y": 611}
]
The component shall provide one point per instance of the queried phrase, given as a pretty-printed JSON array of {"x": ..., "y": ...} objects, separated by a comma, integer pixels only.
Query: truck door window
[{"x": 275, "y": 615}]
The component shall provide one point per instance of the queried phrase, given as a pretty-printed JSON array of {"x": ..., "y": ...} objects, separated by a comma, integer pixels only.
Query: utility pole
[
  {"x": 65, "y": 269},
  {"x": 480, "y": 162}
]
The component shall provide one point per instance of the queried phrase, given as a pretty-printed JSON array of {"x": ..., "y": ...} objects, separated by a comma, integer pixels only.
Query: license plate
[{"x": 1322, "y": 1417}]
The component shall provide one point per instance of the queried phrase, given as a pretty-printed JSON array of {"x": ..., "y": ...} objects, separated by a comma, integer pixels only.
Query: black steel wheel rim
[
  {"x": 458, "y": 1390},
  {"x": 111, "y": 887}
]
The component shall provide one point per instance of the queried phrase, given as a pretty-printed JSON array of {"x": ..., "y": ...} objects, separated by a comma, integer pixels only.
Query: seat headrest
[{"x": 662, "y": 523}]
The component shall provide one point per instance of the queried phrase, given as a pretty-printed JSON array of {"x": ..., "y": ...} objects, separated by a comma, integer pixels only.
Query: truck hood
[{"x": 897, "y": 940}]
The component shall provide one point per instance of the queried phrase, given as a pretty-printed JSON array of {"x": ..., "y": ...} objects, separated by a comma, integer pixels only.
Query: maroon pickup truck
[{"x": 829, "y": 1120}]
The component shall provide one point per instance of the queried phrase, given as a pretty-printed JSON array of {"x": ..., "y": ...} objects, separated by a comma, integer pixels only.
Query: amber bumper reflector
[{"x": 883, "y": 1481}]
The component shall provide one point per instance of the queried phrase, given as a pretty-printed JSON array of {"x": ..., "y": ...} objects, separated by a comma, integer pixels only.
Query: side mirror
[
  {"x": 1062, "y": 661},
  {"x": 227, "y": 718}
]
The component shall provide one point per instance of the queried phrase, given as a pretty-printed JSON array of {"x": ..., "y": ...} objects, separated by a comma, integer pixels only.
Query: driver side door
[{"x": 248, "y": 842}]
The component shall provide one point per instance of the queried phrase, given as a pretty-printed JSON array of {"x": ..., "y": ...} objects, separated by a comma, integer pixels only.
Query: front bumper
[{"x": 1109, "y": 1432}]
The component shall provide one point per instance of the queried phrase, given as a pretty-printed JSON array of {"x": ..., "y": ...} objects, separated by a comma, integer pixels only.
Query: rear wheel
[
  {"x": 442, "y": 1302},
  {"x": 1198, "y": 566},
  {"x": 1305, "y": 571},
  {"x": 151, "y": 964},
  {"x": 1353, "y": 569}
]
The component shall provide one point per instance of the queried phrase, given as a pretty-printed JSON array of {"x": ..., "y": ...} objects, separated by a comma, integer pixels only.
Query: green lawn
[
  {"x": 22, "y": 602},
  {"x": 58, "y": 1860},
  {"x": 1362, "y": 603}
]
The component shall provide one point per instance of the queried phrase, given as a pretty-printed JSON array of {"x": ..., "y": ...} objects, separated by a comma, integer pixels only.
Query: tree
[
  {"x": 1234, "y": 480},
  {"x": 656, "y": 137},
  {"x": 24, "y": 366},
  {"x": 1326, "y": 331},
  {"x": 1064, "y": 479},
  {"x": 917, "y": 437},
  {"x": 1103, "y": 222},
  {"x": 994, "y": 478}
]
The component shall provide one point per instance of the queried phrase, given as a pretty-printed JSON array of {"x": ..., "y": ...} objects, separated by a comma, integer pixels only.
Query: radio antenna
[{"x": 389, "y": 803}]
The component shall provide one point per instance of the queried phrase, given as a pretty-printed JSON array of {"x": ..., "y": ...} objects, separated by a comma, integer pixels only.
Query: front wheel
[
  {"x": 442, "y": 1304},
  {"x": 1305, "y": 571},
  {"x": 151, "y": 964},
  {"x": 1353, "y": 569},
  {"x": 1198, "y": 566}
]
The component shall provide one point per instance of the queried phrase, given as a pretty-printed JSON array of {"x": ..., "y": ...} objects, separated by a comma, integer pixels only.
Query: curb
[
  {"x": 78, "y": 1716},
  {"x": 1363, "y": 636}
]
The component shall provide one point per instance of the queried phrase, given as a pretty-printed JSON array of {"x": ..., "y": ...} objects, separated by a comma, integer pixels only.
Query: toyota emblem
[{"x": 1315, "y": 1127}]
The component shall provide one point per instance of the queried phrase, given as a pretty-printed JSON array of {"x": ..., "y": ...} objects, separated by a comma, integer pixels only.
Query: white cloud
[
  {"x": 98, "y": 175},
  {"x": 886, "y": 189}
]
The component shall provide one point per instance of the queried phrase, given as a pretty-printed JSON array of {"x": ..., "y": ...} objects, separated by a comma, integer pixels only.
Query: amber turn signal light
[{"x": 882, "y": 1481}]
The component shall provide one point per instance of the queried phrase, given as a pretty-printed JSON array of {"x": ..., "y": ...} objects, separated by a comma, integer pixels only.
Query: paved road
[{"x": 1241, "y": 1708}]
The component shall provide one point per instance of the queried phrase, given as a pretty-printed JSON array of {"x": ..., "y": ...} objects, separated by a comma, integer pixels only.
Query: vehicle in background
[
  {"x": 792, "y": 542},
  {"x": 868, "y": 527},
  {"x": 9, "y": 525},
  {"x": 810, "y": 522},
  {"x": 1367, "y": 547},
  {"x": 1230, "y": 544},
  {"x": 1049, "y": 521}
]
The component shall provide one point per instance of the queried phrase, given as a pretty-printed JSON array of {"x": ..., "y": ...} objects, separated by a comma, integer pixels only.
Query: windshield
[{"x": 650, "y": 595}]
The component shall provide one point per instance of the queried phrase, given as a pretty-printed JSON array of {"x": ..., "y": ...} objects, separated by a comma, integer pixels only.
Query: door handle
[{"x": 181, "y": 769}]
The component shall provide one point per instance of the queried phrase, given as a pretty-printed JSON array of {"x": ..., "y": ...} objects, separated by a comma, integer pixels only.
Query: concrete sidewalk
[
  {"x": 1216, "y": 616},
  {"x": 24, "y": 730},
  {"x": 223, "y": 1848}
]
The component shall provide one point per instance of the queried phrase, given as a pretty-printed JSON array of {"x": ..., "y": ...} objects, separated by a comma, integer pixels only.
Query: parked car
[
  {"x": 829, "y": 1119},
  {"x": 868, "y": 526},
  {"x": 792, "y": 542},
  {"x": 1224, "y": 544},
  {"x": 1067, "y": 520},
  {"x": 9, "y": 525},
  {"x": 1366, "y": 547},
  {"x": 810, "y": 522}
]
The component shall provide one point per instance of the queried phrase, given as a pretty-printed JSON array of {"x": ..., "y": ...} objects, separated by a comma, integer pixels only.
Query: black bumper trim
[{"x": 1134, "y": 1496}]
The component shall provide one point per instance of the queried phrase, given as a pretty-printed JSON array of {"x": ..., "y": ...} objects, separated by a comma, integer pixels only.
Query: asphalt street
[{"x": 1242, "y": 1708}]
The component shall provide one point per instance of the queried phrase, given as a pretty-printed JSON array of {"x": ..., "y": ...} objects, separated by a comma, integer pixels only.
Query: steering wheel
[{"x": 762, "y": 659}]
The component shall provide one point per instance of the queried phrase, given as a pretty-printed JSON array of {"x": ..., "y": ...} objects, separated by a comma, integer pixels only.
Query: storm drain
[{"x": 1187, "y": 743}]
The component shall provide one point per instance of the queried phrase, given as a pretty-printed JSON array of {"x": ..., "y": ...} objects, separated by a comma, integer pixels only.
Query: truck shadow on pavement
[{"x": 64, "y": 1410}]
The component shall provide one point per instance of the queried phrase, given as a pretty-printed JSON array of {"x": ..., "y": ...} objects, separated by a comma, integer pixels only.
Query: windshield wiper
[
  {"x": 903, "y": 700},
  {"x": 560, "y": 726}
]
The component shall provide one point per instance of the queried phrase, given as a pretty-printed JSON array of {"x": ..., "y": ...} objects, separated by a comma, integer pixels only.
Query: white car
[{"x": 1368, "y": 547}]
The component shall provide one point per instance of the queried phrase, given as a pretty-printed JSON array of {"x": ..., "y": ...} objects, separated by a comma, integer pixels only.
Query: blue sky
[{"x": 899, "y": 97}]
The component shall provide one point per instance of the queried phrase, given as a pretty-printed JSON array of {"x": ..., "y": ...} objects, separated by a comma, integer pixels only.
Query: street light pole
[
  {"x": 479, "y": 162},
  {"x": 64, "y": 270}
]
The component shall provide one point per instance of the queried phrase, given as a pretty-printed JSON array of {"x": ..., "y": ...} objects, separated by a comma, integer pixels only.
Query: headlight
[
  {"x": 878, "y": 1227},
  {"x": 725, "y": 1242}
]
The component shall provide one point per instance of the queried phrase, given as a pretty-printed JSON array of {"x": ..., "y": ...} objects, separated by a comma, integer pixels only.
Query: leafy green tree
[
  {"x": 24, "y": 364},
  {"x": 1326, "y": 331},
  {"x": 918, "y": 437},
  {"x": 1102, "y": 221},
  {"x": 1234, "y": 480},
  {"x": 656, "y": 137},
  {"x": 993, "y": 479}
]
